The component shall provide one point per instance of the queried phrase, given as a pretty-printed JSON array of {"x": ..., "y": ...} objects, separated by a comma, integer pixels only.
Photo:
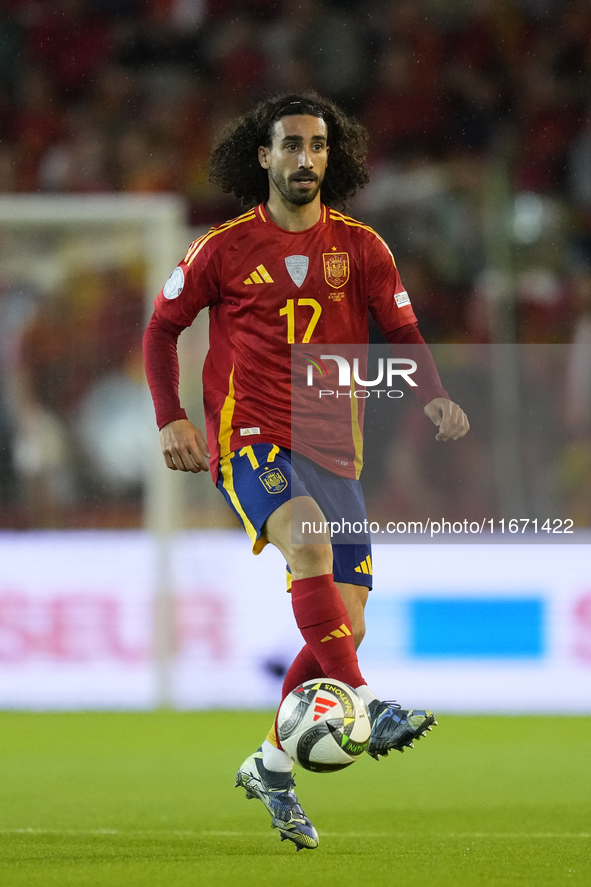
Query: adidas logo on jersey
[
  {"x": 365, "y": 566},
  {"x": 261, "y": 275}
]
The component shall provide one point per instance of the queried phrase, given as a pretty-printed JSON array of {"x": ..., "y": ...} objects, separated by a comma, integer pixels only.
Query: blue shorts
[{"x": 257, "y": 479}]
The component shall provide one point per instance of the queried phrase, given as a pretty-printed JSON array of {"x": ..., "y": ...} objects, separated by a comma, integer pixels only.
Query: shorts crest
[{"x": 273, "y": 480}]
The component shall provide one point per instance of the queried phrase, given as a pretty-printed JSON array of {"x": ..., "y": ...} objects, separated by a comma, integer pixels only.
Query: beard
[{"x": 289, "y": 190}]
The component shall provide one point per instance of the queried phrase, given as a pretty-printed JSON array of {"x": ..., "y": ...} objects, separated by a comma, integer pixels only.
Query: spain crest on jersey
[
  {"x": 336, "y": 269},
  {"x": 273, "y": 480}
]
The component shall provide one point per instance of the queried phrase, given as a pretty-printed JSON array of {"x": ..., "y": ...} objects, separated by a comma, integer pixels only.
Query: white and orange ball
[{"x": 323, "y": 725}]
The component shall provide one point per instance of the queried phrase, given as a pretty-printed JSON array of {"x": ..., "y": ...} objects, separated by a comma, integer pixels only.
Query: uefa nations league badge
[{"x": 174, "y": 285}]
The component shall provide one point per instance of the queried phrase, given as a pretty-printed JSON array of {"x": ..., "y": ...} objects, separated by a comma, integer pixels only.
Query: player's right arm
[
  {"x": 183, "y": 446},
  {"x": 191, "y": 287}
]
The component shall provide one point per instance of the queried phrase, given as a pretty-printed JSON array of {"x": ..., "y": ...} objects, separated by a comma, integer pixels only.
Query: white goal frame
[{"x": 161, "y": 219}]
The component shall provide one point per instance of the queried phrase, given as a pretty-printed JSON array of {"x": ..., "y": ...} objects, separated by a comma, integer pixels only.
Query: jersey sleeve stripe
[
  {"x": 199, "y": 244},
  {"x": 193, "y": 247},
  {"x": 196, "y": 243},
  {"x": 352, "y": 223}
]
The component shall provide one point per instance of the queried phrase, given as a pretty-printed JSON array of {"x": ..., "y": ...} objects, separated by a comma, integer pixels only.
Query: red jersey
[{"x": 267, "y": 288}]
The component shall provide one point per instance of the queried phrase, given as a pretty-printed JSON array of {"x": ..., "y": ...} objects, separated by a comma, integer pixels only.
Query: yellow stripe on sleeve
[
  {"x": 352, "y": 223},
  {"x": 247, "y": 217},
  {"x": 194, "y": 246}
]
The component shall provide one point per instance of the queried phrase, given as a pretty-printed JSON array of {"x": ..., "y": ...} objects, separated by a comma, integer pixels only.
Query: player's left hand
[{"x": 449, "y": 417}]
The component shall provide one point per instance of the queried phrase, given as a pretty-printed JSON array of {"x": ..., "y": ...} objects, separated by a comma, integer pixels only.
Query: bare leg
[
  {"x": 355, "y": 599},
  {"x": 308, "y": 553}
]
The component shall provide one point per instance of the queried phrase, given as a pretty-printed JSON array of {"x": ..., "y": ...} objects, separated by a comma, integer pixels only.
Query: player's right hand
[{"x": 183, "y": 446}]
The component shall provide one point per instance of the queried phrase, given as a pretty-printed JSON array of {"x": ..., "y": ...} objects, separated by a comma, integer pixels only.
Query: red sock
[
  {"x": 305, "y": 667},
  {"x": 324, "y": 623}
]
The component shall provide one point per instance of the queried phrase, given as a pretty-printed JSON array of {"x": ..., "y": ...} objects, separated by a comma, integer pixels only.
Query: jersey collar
[{"x": 263, "y": 216}]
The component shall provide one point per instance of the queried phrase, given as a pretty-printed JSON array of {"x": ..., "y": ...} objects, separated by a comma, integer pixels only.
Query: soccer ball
[{"x": 323, "y": 725}]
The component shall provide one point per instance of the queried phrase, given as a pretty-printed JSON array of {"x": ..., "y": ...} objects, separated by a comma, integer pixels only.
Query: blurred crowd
[
  {"x": 479, "y": 117},
  {"x": 127, "y": 95}
]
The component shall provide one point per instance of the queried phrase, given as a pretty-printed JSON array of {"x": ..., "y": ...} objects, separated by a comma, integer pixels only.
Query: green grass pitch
[{"x": 147, "y": 799}]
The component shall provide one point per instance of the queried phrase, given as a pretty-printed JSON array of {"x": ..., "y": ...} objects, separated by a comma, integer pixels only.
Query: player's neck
[{"x": 291, "y": 217}]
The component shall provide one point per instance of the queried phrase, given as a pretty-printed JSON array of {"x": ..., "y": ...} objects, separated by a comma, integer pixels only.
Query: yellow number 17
[{"x": 289, "y": 311}]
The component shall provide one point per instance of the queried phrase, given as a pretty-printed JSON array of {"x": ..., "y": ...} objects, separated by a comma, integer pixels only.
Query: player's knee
[
  {"x": 358, "y": 628},
  {"x": 310, "y": 560}
]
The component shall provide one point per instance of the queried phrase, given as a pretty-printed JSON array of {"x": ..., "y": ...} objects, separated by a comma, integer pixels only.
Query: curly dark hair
[{"x": 234, "y": 165}]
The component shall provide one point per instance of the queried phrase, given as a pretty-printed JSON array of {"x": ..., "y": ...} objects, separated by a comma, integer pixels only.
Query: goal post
[{"x": 44, "y": 239}]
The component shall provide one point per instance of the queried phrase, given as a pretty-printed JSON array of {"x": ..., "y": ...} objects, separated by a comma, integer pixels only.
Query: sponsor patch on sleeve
[
  {"x": 174, "y": 285},
  {"x": 402, "y": 299}
]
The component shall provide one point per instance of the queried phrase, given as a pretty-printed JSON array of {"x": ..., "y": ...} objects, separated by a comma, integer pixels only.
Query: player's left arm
[
  {"x": 449, "y": 418},
  {"x": 390, "y": 305}
]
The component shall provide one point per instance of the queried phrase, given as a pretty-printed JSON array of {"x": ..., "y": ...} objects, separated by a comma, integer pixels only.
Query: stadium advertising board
[{"x": 457, "y": 628}]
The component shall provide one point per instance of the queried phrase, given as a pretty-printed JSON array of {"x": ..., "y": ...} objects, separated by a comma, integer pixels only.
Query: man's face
[{"x": 296, "y": 161}]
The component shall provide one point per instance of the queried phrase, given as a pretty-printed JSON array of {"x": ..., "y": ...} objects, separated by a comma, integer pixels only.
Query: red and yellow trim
[
  {"x": 262, "y": 210},
  {"x": 226, "y": 467},
  {"x": 226, "y": 456},
  {"x": 353, "y": 223},
  {"x": 226, "y": 416},
  {"x": 198, "y": 244},
  {"x": 356, "y": 432},
  {"x": 227, "y": 473}
]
